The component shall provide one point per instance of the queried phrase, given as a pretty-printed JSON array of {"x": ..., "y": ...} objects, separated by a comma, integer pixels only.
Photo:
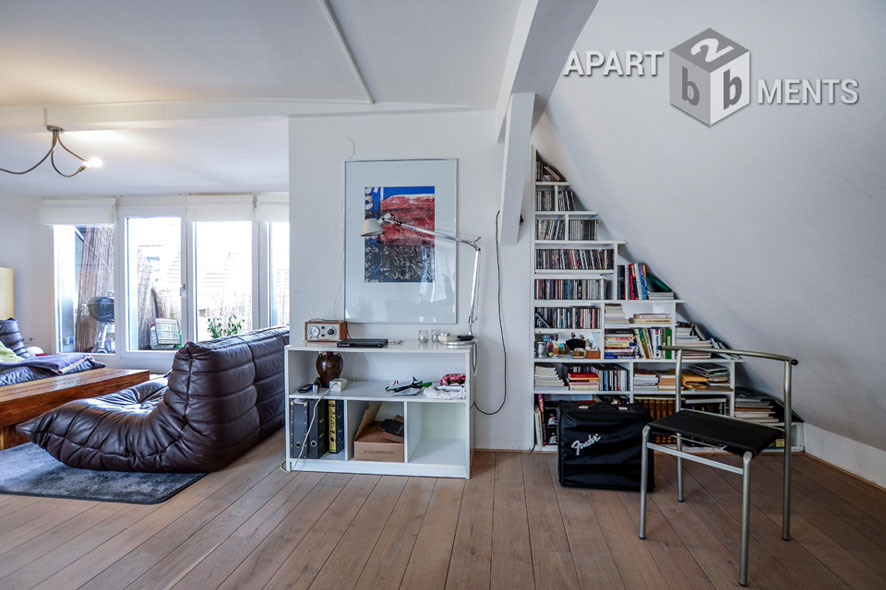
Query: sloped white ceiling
[
  {"x": 770, "y": 223},
  {"x": 104, "y": 51},
  {"x": 450, "y": 52},
  {"x": 176, "y": 96},
  {"x": 59, "y": 52}
]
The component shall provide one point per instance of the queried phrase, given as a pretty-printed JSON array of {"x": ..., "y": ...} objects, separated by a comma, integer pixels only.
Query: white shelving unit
[
  {"x": 597, "y": 334},
  {"x": 437, "y": 432}
]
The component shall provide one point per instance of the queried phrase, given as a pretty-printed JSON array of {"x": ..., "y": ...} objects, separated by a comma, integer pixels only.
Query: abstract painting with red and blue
[{"x": 400, "y": 255}]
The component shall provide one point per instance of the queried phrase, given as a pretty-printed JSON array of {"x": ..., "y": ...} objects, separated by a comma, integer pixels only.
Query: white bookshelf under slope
[
  {"x": 437, "y": 432},
  {"x": 555, "y": 225}
]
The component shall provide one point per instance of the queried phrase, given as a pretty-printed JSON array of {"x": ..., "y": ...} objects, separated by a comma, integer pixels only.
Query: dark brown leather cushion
[
  {"x": 221, "y": 398},
  {"x": 11, "y": 337}
]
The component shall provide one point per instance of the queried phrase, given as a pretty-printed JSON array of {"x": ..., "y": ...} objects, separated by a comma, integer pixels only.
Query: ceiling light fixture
[{"x": 93, "y": 162}]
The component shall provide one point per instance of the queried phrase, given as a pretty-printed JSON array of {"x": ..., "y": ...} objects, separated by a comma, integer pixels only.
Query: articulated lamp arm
[{"x": 375, "y": 227}]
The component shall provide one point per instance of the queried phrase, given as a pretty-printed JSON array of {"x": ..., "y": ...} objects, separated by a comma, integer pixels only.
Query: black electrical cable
[{"x": 501, "y": 326}]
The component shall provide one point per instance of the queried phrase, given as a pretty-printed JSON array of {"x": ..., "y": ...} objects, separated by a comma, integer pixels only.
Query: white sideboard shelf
[{"x": 437, "y": 432}]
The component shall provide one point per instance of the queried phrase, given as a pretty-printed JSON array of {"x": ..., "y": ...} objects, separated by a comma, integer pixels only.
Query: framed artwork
[{"x": 400, "y": 276}]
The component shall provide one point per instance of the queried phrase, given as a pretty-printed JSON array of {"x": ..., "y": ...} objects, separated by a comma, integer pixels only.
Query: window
[
  {"x": 154, "y": 283},
  {"x": 177, "y": 279},
  {"x": 279, "y": 273},
  {"x": 224, "y": 277},
  {"x": 85, "y": 288}
]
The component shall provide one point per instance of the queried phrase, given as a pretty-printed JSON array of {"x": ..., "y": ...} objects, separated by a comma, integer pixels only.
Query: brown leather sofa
[{"x": 221, "y": 398}]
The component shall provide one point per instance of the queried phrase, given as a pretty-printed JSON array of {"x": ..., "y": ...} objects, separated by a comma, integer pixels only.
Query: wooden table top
[{"x": 10, "y": 393}]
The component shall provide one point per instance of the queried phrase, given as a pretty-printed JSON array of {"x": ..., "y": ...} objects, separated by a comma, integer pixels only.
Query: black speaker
[{"x": 600, "y": 445}]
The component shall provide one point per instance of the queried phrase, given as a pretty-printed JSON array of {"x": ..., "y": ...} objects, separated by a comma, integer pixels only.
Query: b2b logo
[{"x": 710, "y": 76}]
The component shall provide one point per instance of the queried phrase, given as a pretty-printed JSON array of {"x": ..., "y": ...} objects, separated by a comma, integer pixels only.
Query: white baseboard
[{"x": 858, "y": 458}]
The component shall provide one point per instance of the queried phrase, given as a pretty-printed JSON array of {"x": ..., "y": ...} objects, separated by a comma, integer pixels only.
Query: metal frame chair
[{"x": 747, "y": 455}]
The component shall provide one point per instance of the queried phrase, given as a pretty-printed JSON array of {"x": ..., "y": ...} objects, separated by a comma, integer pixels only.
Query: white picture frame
[{"x": 401, "y": 277}]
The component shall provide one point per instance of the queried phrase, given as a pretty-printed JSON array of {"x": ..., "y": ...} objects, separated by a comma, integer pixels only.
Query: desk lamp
[{"x": 376, "y": 226}]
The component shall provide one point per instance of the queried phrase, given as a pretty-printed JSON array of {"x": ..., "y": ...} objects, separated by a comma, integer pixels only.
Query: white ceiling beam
[
  {"x": 172, "y": 113},
  {"x": 517, "y": 165},
  {"x": 544, "y": 33},
  {"x": 522, "y": 24},
  {"x": 346, "y": 47}
]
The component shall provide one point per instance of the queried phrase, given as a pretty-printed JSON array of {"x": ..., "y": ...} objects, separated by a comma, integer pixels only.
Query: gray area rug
[{"x": 28, "y": 470}]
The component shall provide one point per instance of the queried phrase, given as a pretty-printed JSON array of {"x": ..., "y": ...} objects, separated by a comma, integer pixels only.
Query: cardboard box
[{"x": 372, "y": 444}]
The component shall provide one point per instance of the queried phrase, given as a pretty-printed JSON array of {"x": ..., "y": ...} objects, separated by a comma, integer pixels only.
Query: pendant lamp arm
[
  {"x": 43, "y": 159},
  {"x": 56, "y": 141}
]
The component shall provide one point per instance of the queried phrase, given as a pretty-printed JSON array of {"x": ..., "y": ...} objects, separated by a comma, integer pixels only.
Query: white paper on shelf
[{"x": 435, "y": 393}]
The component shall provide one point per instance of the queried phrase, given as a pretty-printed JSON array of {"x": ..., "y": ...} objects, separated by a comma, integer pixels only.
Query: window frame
[
  {"x": 122, "y": 275},
  {"x": 160, "y": 360},
  {"x": 56, "y": 347}
]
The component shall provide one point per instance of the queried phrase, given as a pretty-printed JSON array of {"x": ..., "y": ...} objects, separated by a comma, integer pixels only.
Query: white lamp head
[
  {"x": 371, "y": 227},
  {"x": 376, "y": 227}
]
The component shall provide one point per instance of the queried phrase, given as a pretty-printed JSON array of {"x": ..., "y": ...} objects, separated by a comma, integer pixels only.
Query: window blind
[
  {"x": 220, "y": 207},
  {"x": 91, "y": 211},
  {"x": 272, "y": 207}
]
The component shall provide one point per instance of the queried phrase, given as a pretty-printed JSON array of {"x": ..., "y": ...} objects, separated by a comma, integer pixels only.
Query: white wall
[
  {"x": 318, "y": 150},
  {"x": 847, "y": 454},
  {"x": 26, "y": 247},
  {"x": 771, "y": 222}
]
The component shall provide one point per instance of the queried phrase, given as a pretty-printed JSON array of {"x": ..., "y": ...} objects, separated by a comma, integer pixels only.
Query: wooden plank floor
[{"x": 510, "y": 526}]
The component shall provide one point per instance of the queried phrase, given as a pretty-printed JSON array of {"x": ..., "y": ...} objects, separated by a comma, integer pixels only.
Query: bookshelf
[
  {"x": 437, "y": 432},
  {"x": 576, "y": 271}
]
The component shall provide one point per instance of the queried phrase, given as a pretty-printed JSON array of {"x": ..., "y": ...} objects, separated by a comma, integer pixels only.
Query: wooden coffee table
[{"x": 23, "y": 401}]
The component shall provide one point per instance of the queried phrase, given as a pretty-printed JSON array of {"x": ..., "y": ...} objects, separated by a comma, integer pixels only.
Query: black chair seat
[{"x": 736, "y": 436}]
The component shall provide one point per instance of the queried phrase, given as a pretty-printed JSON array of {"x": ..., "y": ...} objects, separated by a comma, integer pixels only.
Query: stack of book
[
  {"x": 645, "y": 381},
  {"x": 687, "y": 335},
  {"x": 546, "y": 377},
  {"x": 614, "y": 315},
  {"x": 567, "y": 318},
  {"x": 619, "y": 344},
  {"x": 656, "y": 289},
  {"x": 642, "y": 343},
  {"x": 583, "y": 378},
  {"x": 706, "y": 376},
  {"x": 585, "y": 289},
  {"x": 651, "y": 318},
  {"x": 550, "y": 229},
  {"x": 583, "y": 229},
  {"x": 573, "y": 259},
  {"x": 667, "y": 380},
  {"x": 756, "y": 408}
]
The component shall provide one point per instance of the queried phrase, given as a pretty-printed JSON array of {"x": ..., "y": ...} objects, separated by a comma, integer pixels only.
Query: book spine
[{"x": 643, "y": 286}]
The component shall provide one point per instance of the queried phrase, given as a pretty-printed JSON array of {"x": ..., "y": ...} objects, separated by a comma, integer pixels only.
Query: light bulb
[{"x": 93, "y": 162}]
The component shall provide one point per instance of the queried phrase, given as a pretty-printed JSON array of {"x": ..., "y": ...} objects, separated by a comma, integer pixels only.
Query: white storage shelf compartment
[{"x": 437, "y": 432}]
